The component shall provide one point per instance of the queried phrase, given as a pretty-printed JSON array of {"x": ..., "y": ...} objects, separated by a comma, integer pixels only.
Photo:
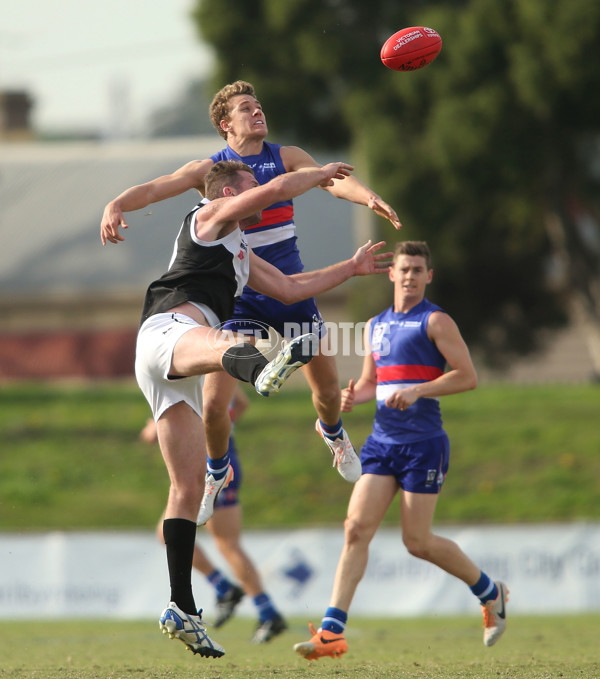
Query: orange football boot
[
  {"x": 494, "y": 616},
  {"x": 321, "y": 644}
]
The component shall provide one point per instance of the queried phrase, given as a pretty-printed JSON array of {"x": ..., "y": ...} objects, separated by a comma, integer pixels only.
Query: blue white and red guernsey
[
  {"x": 273, "y": 239},
  {"x": 277, "y": 222},
  {"x": 404, "y": 356}
]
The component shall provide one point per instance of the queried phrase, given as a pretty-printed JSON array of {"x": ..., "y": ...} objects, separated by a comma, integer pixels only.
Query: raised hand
[
  {"x": 348, "y": 397},
  {"x": 112, "y": 219},
  {"x": 367, "y": 262},
  {"x": 381, "y": 208},
  {"x": 337, "y": 170}
]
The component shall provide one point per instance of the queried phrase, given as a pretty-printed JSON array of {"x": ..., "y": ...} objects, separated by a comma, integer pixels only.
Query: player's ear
[
  {"x": 391, "y": 272},
  {"x": 224, "y": 125}
]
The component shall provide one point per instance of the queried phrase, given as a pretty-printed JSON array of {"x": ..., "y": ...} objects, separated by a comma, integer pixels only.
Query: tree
[{"x": 490, "y": 153}]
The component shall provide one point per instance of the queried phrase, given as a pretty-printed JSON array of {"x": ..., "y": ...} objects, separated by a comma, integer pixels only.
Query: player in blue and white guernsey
[
  {"x": 238, "y": 117},
  {"x": 408, "y": 348},
  {"x": 179, "y": 341},
  {"x": 402, "y": 359}
]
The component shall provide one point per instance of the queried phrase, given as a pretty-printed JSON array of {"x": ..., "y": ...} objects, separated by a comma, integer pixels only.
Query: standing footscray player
[{"x": 407, "y": 349}]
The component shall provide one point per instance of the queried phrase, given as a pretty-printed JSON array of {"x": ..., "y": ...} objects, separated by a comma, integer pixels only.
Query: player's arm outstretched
[
  {"x": 222, "y": 215},
  {"x": 352, "y": 190},
  {"x": 268, "y": 280},
  {"x": 190, "y": 176},
  {"x": 365, "y": 388}
]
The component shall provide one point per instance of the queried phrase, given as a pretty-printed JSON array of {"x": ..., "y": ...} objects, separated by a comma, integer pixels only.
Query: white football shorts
[{"x": 156, "y": 341}]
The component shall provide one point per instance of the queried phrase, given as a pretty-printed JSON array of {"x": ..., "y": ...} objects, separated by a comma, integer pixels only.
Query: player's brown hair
[
  {"x": 219, "y": 106},
  {"x": 414, "y": 248},
  {"x": 222, "y": 174}
]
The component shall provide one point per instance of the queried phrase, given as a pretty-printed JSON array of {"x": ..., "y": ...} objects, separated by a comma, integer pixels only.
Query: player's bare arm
[
  {"x": 222, "y": 215},
  {"x": 461, "y": 376},
  {"x": 353, "y": 190},
  {"x": 444, "y": 333},
  {"x": 268, "y": 280},
  {"x": 189, "y": 176}
]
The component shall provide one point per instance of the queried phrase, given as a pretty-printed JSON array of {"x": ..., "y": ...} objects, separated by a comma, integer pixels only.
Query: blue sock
[
  {"x": 485, "y": 589},
  {"x": 334, "y": 620},
  {"x": 331, "y": 432},
  {"x": 266, "y": 610},
  {"x": 219, "y": 582},
  {"x": 217, "y": 467}
]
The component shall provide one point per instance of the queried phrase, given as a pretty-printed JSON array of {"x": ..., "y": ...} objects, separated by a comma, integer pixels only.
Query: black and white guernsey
[{"x": 205, "y": 272}]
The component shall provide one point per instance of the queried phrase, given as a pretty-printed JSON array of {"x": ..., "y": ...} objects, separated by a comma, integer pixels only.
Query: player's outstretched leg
[
  {"x": 494, "y": 616},
  {"x": 322, "y": 643},
  {"x": 294, "y": 355},
  {"x": 212, "y": 490},
  {"x": 345, "y": 459},
  {"x": 190, "y": 630}
]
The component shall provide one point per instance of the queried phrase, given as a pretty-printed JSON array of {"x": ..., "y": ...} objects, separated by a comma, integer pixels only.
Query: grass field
[
  {"x": 71, "y": 458},
  {"x": 432, "y": 648}
]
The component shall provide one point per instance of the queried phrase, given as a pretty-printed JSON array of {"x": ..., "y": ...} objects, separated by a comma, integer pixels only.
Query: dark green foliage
[{"x": 490, "y": 153}]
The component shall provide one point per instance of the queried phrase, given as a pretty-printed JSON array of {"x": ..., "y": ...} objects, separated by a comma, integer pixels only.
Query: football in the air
[{"x": 411, "y": 48}]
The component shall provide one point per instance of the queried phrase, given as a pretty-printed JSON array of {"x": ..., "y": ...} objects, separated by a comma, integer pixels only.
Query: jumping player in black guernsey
[{"x": 179, "y": 341}]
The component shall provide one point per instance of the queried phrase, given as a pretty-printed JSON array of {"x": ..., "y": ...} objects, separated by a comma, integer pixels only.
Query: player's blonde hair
[
  {"x": 222, "y": 174},
  {"x": 414, "y": 248},
  {"x": 219, "y": 106}
]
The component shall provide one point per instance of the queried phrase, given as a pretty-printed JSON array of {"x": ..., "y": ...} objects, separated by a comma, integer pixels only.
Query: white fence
[{"x": 548, "y": 568}]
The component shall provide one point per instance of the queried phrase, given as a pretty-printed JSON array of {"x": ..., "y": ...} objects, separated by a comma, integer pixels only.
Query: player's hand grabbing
[
  {"x": 333, "y": 171},
  {"x": 112, "y": 219},
  {"x": 348, "y": 398},
  {"x": 367, "y": 262},
  {"x": 401, "y": 399},
  {"x": 381, "y": 208}
]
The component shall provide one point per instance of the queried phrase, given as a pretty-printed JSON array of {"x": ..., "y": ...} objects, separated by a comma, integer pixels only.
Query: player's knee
[
  {"x": 416, "y": 546},
  {"x": 355, "y": 531},
  {"x": 328, "y": 394},
  {"x": 213, "y": 410},
  {"x": 187, "y": 496}
]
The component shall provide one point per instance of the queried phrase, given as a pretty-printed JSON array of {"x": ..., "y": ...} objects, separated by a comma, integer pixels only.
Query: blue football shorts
[
  {"x": 418, "y": 467},
  {"x": 255, "y": 313}
]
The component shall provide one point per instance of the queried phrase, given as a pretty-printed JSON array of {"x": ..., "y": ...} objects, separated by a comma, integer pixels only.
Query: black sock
[
  {"x": 244, "y": 362},
  {"x": 180, "y": 538}
]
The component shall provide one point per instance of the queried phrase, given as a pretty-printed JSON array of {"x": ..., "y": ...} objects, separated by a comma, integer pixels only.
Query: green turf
[
  {"x": 71, "y": 459},
  {"x": 428, "y": 648}
]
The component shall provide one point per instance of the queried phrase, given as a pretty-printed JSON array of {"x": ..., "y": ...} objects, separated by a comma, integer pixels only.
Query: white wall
[{"x": 548, "y": 568}]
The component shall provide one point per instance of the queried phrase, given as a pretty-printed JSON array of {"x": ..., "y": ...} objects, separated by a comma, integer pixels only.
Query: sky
[{"x": 101, "y": 65}]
